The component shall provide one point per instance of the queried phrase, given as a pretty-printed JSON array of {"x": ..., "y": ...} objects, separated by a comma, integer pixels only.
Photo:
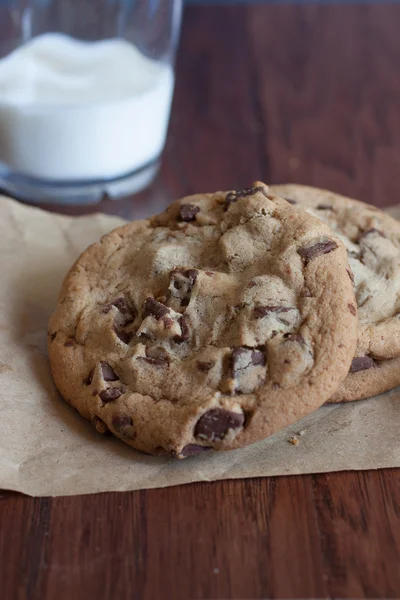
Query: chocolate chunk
[
  {"x": 185, "y": 333},
  {"x": 262, "y": 311},
  {"x": 350, "y": 274},
  {"x": 258, "y": 358},
  {"x": 154, "y": 309},
  {"x": 129, "y": 312},
  {"x": 100, "y": 426},
  {"x": 124, "y": 336},
  {"x": 193, "y": 449},
  {"x": 168, "y": 322},
  {"x": 215, "y": 424},
  {"x": 89, "y": 378},
  {"x": 324, "y": 207},
  {"x": 294, "y": 337},
  {"x": 190, "y": 275},
  {"x": 122, "y": 424},
  {"x": 352, "y": 309},
  {"x": 312, "y": 252},
  {"x": 290, "y": 200},
  {"x": 155, "y": 360},
  {"x": 205, "y": 365},
  {"x": 158, "y": 354},
  {"x": 255, "y": 357},
  {"x": 248, "y": 191},
  {"x": 188, "y": 212},
  {"x": 182, "y": 281},
  {"x": 107, "y": 372},
  {"x": 110, "y": 394},
  {"x": 372, "y": 230},
  {"x": 234, "y": 196},
  {"x": 361, "y": 363},
  {"x": 160, "y": 451}
]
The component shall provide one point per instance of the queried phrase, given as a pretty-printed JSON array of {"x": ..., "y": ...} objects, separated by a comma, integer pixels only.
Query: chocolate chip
[
  {"x": 124, "y": 336},
  {"x": 168, "y": 322},
  {"x": 155, "y": 360},
  {"x": 191, "y": 274},
  {"x": 185, "y": 333},
  {"x": 361, "y": 363},
  {"x": 100, "y": 426},
  {"x": 306, "y": 293},
  {"x": 312, "y": 252},
  {"x": 215, "y": 424},
  {"x": 258, "y": 358},
  {"x": 350, "y": 274},
  {"x": 110, "y": 394},
  {"x": 183, "y": 280},
  {"x": 372, "y": 230},
  {"x": 234, "y": 196},
  {"x": 290, "y": 200},
  {"x": 294, "y": 337},
  {"x": 262, "y": 311},
  {"x": 209, "y": 273},
  {"x": 188, "y": 212},
  {"x": 240, "y": 355},
  {"x": 107, "y": 372},
  {"x": 158, "y": 354},
  {"x": 324, "y": 207},
  {"x": 193, "y": 449},
  {"x": 89, "y": 378},
  {"x": 70, "y": 343},
  {"x": 129, "y": 312},
  {"x": 352, "y": 309},
  {"x": 160, "y": 451},
  {"x": 122, "y": 423},
  {"x": 154, "y": 309},
  {"x": 205, "y": 365},
  {"x": 251, "y": 284}
]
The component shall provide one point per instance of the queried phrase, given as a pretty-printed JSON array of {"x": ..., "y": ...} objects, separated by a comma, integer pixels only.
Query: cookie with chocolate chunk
[
  {"x": 213, "y": 325},
  {"x": 372, "y": 239}
]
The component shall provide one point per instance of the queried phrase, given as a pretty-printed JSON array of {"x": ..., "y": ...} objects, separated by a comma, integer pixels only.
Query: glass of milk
[{"x": 85, "y": 96}]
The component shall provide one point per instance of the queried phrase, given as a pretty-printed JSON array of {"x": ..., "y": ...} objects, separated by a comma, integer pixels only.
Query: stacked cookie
[
  {"x": 228, "y": 317},
  {"x": 372, "y": 240}
]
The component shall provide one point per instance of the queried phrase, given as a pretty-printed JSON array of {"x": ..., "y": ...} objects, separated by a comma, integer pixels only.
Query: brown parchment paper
[{"x": 47, "y": 449}]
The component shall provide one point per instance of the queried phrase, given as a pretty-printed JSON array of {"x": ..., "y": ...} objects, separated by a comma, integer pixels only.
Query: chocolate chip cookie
[
  {"x": 372, "y": 239},
  {"x": 212, "y": 325}
]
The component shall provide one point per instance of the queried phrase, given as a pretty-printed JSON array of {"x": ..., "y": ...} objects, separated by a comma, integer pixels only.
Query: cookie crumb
[{"x": 293, "y": 440}]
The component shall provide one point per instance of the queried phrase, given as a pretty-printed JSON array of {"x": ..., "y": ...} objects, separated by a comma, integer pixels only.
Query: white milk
[{"x": 72, "y": 110}]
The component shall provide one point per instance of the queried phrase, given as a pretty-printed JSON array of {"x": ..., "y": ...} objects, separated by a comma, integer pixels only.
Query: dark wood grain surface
[{"x": 309, "y": 94}]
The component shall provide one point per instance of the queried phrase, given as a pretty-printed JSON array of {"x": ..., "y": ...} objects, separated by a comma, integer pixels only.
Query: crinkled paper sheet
[{"x": 47, "y": 449}]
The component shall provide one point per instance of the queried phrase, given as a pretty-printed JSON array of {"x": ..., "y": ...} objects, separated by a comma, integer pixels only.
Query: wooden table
[{"x": 309, "y": 94}]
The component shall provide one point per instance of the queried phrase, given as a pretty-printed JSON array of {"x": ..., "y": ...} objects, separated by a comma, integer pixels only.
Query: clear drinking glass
[{"x": 85, "y": 95}]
